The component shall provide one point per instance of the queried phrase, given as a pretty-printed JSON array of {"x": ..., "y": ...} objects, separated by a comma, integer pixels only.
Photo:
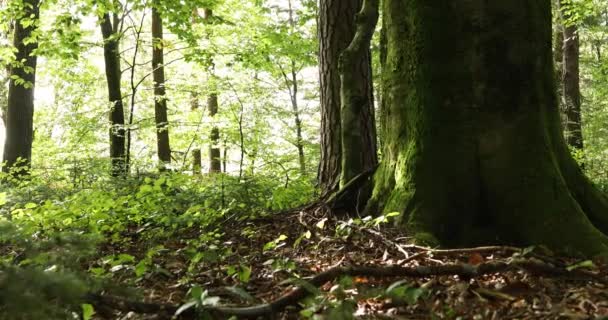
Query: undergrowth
[{"x": 62, "y": 238}]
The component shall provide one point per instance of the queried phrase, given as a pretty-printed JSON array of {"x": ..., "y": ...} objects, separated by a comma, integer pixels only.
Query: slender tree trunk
[
  {"x": 196, "y": 152},
  {"x": 474, "y": 152},
  {"x": 20, "y": 107},
  {"x": 571, "y": 84},
  {"x": 291, "y": 82},
  {"x": 215, "y": 163},
  {"x": 225, "y": 157},
  {"x": 160, "y": 101},
  {"x": 295, "y": 108},
  {"x": 381, "y": 93},
  {"x": 111, "y": 55},
  {"x": 336, "y": 29},
  {"x": 357, "y": 101},
  {"x": 558, "y": 54}
]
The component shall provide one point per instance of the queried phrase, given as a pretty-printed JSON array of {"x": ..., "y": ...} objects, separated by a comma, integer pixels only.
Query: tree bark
[
  {"x": 160, "y": 101},
  {"x": 336, "y": 29},
  {"x": 571, "y": 83},
  {"x": 358, "y": 133},
  {"x": 20, "y": 104},
  {"x": 474, "y": 149},
  {"x": 111, "y": 53}
]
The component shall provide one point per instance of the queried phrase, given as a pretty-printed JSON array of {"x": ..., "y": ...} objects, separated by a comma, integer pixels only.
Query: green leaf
[
  {"x": 141, "y": 268},
  {"x": 30, "y": 205},
  {"x": 196, "y": 293},
  {"x": 245, "y": 273},
  {"x": 87, "y": 311},
  {"x": 582, "y": 264}
]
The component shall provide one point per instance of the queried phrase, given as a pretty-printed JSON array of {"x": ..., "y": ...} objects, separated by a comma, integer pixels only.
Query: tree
[
  {"x": 358, "y": 132},
  {"x": 196, "y": 152},
  {"x": 215, "y": 163},
  {"x": 20, "y": 105},
  {"x": 291, "y": 82},
  {"x": 336, "y": 29},
  {"x": 111, "y": 53},
  {"x": 160, "y": 101},
  {"x": 571, "y": 92},
  {"x": 474, "y": 151}
]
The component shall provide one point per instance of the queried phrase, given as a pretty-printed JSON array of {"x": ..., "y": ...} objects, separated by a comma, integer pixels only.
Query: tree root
[
  {"x": 354, "y": 195},
  {"x": 464, "y": 271}
]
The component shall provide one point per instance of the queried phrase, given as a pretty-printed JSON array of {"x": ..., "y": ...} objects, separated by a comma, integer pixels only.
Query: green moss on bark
[{"x": 474, "y": 152}]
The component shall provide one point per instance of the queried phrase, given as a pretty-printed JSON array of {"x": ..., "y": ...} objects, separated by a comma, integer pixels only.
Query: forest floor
[{"x": 266, "y": 254}]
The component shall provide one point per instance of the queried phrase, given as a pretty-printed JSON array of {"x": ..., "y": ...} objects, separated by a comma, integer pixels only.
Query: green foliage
[
  {"x": 54, "y": 213},
  {"x": 39, "y": 274}
]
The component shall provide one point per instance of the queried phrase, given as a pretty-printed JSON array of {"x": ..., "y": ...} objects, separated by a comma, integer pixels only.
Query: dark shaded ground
[{"x": 309, "y": 241}]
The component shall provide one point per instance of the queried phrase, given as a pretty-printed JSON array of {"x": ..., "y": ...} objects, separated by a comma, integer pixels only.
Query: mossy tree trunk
[
  {"x": 358, "y": 130},
  {"x": 19, "y": 117},
  {"x": 336, "y": 29},
  {"x": 474, "y": 149}
]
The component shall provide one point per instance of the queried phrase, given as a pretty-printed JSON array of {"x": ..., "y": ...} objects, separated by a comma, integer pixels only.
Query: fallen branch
[{"x": 464, "y": 271}]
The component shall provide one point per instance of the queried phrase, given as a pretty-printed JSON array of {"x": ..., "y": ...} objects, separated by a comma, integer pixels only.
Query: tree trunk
[
  {"x": 381, "y": 93},
  {"x": 295, "y": 108},
  {"x": 215, "y": 161},
  {"x": 291, "y": 83},
  {"x": 571, "y": 84},
  {"x": 160, "y": 101},
  {"x": 196, "y": 152},
  {"x": 358, "y": 131},
  {"x": 474, "y": 150},
  {"x": 558, "y": 53},
  {"x": 336, "y": 29},
  {"x": 111, "y": 56},
  {"x": 20, "y": 107}
]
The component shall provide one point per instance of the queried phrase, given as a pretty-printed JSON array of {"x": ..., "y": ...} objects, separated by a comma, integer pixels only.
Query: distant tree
[
  {"x": 110, "y": 24},
  {"x": 20, "y": 103},
  {"x": 336, "y": 29},
  {"x": 196, "y": 152},
  {"x": 215, "y": 163},
  {"x": 160, "y": 101},
  {"x": 570, "y": 78},
  {"x": 474, "y": 151},
  {"x": 291, "y": 81}
]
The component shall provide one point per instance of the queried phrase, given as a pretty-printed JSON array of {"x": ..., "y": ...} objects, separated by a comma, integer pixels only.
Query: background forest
[{"x": 176, "y": 151}]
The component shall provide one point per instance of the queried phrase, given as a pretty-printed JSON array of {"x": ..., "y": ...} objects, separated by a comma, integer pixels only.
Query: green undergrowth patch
[{"x": 60, "y": 240}]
